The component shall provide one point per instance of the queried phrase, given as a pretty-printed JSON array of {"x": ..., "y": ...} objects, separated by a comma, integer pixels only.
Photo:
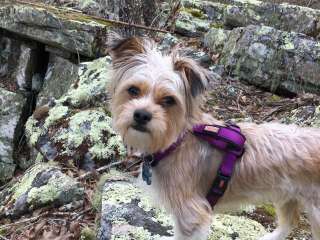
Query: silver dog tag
[{"x": 147, "y": 170}]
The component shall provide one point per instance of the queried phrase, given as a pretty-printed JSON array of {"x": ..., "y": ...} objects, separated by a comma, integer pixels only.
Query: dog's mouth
[{"x": 139, "y": 128}]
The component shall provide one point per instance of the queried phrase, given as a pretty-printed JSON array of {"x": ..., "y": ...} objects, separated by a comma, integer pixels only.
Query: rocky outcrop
[
  {"x": 241, "y": 13},
  {"x": 42, "y": 185},
  {"x": 64, "y": 29},
  {"x": 268, "y": 58},
  {"x": 77, "y": 126},
  {"x": 127, "y": 212}
]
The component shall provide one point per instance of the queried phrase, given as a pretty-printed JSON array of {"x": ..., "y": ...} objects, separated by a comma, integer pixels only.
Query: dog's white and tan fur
[{"x": 281, "y": 163}]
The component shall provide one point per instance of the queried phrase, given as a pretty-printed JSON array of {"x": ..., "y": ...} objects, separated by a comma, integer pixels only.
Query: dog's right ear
[{"x": 122, "y": 49}]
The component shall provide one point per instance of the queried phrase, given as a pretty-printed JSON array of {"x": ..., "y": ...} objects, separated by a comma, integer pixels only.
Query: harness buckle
[{"x": 220, "y": 184}]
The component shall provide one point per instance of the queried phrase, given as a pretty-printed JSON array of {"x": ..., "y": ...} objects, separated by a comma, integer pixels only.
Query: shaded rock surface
[
  {"x": 42, "y": 185},
  {"x": 17, "y": 63},
  {"x": 268, "y": 58},
  {"x": 11, "y": 106},
  {"x": 59, "y": 76},
  {"x": 77, "y": 126},
  {"x": 126, "y": 213}
]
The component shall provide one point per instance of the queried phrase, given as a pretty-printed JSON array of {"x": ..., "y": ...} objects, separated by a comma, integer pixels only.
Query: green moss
[
  {"x": 217, "y": 25},
  {"x": 97, "y": 196},
  {"x": 88, "y": 234},
  {"x": 269, "y": 209},
  {"x": 195, "y": 12}
]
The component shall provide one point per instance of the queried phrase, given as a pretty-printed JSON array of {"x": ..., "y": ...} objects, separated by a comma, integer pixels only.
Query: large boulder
[
  {"x": 126, "y": 213},
  {"x": 77, "y": 126},
  {"x": 42, "y": 185},
  {"x": 268, "y": 58}
]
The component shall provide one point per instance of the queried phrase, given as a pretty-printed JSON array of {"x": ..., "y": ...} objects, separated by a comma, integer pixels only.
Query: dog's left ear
[
  {"x": 122, "y": 49},
  {"x": 196, "y": 76}
]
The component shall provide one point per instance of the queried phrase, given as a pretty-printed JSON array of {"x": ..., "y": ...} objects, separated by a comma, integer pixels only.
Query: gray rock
[
  {"x": 42, "y": 185},
  {"x": 190, "y": 25},
  {"x": 60, "y": 74},
  {"x": 77, "y": 127},
  {"x": 241, "y": 13},
  {"x": 70, "y": 31},
  {"x": 285, "y": 17},
  {"x": 269, "y": 58},
  {"x": 11, "y": 106},
  {"x": 127, "y": 212}
]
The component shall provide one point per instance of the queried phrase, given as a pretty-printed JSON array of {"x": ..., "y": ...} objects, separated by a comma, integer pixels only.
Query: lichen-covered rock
[
  {"x": 190, "y": 24},
  {"x": 59, "y": 76},
  {"x": 241, "y": 13},
  {"x": 43, "y": 185},
  {"x": 70, "y": 31},
  {"x": 213, "y": 11},
  {"x": 126, "y": 213},
  {"x": 269, "y": 58},
  {"x": 307, "y": 116},
  {"x": 11, "y": 106},
  {"x": 285, "y": 17},
  {"x": 77, "y": 126}
]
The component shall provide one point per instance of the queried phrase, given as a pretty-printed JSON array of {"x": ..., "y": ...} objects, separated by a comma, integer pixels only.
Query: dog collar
[
  {"x": 229, "y": 139},
  {"x": 152, "y": 160}
]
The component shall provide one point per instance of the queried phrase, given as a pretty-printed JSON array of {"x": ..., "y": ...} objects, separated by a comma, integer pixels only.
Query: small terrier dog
[{"x": 155, "y": 99}]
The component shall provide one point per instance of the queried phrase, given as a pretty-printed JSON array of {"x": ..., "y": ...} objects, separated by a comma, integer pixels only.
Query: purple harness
[{"x": 226, "y": 138}]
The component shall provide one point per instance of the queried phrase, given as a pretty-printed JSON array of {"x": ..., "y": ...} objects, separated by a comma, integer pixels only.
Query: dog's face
[{"x": 153, "y": 95}]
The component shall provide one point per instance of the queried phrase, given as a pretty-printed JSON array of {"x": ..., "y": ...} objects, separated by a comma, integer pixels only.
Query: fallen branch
[
  {"x": 99, "y": 170},
  {"x": 107, "y": 21}
]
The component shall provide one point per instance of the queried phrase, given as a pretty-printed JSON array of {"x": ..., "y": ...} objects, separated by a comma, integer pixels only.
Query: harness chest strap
[
  {"x": 230, "y": 140},
  {"x": 226, "y": 138}
]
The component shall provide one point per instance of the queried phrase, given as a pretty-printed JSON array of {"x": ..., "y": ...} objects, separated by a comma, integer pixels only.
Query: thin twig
[
  {"x": 99, "y": 170},
  {"x": 108, "y": 21},
  {"x": 22, "y": 221}
]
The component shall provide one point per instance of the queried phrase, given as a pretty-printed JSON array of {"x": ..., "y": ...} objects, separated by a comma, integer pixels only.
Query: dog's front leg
[{"x": 192, "y": 220}]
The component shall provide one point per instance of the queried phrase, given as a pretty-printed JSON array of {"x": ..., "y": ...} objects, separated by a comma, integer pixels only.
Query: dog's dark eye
[
  {"x": 168, "y": 101},
  {"x": 134, "y": 91}
]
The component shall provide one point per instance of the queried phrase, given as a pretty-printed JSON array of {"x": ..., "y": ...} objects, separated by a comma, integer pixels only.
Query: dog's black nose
[{"x": 142, "y": 116}]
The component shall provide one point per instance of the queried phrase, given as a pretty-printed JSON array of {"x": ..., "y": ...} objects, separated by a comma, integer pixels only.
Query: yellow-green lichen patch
[
  {"x": 33, "y": 131},
  {"x": 226, "y": 227},
  {"x": 93, "y": 80},
  {"x": 26, "y": 181},
  {"x": 130, "y": 232},
  {"x": 54, "y": 190},
  {"x": 87, "y": 234},
  {"x": 118, "y": 193},
  {"x": 56, "y": 113},
  {"x": 287, "y": 44}
]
